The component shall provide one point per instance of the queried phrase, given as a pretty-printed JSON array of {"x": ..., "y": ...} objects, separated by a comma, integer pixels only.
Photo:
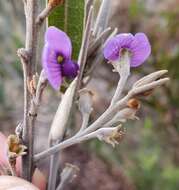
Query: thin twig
[
  {"x": 30, "y": 7},
  {"x": 111, "y": 111},
  {"x": 102, "y": 18},
  {"x": 119, "y": 90},
  {"x": 53, "y": 171},
  {"x": 84, "y": 47},
  {"x": 62, "y": 145},
  {"x": 33, "y": 110},
  {"x": 94, "y": 62},
  {"x": 123, "y": 68},
  {"x": 51, "y": 5},
  {"x": 98, "y": 41},
  {"x": 88, "y": 4},
  {"x": 104, "y": 118},
  {"x": 24, "y": 60},
  {"x": 42, "y": 83},
  {"x": 43, "y": 15},
  {"x": 84, "y": 122}
]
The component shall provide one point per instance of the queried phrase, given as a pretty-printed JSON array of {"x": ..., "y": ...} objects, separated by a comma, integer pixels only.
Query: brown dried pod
[
  {"x": 54, "y": 3},
  {"x": 133, "y": 103}
]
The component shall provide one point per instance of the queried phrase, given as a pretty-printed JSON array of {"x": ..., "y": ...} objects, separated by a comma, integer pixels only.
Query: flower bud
[
  {"x": 85, "y": 101},
  {"x": 62, "y": 115},
  {"x": 150, "y": 78},
  {"x": 122, "y": 116},
  {"x": 69, "y": 173}
]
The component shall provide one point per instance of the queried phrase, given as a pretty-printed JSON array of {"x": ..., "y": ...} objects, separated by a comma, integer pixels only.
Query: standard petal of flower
[
  {"x": 112, "y": 49},
  {"x": 125, "y": 39},
  {"x": 140, "y": 48},
  {"x": 51, "y": 66},
  {"x": 70, "y": 69},
  {"x": 59, "y": 41}
]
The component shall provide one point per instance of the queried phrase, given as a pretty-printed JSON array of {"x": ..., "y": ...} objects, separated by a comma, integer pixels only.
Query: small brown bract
[{"x": 133, "y": 103}]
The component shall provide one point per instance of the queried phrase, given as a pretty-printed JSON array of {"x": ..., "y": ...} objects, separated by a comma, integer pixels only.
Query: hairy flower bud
[
  {"x": 62, "y": 115},
  {"x": 122, "y": 116},
  {"x": 69, "y": 173},
  {"x": 85, "y": 101}
]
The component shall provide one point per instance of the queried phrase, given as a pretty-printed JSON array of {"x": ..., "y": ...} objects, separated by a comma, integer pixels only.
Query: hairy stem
[{"x": 103, "y": 119}]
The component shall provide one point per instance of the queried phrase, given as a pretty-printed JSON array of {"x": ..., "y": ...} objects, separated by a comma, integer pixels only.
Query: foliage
[
  {"x": 149, "y": 156},
  {"x": 69, "y": 18}
]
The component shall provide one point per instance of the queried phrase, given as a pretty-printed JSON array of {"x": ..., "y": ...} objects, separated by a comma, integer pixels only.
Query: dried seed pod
[{"x": 133, "y": 103}]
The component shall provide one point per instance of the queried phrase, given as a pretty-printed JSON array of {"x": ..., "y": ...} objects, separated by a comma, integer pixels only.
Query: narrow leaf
[{"x": 69, "y": 18}]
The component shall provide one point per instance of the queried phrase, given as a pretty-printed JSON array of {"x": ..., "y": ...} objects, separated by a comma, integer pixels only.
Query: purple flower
[
  {"x": 56, "y": 57},
  {"x": 137, "y": 45}
]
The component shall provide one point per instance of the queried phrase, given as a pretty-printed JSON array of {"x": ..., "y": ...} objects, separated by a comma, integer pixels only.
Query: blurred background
[{"x": 148, "y": 157}]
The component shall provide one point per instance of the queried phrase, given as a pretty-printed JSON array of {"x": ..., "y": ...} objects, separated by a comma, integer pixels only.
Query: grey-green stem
[
  {"x": 104, "y": 118},
  {"x": 30, "y": 7}
]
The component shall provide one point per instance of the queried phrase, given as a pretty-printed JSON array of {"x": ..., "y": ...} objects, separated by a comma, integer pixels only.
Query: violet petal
[
  {"x": 59, "y": 41},
  {"x": 51, "y": 67},
  {"x": 113, "y": 46},
  {"x": 140, "y": 48},
  {"x": 70, "y": 69}
]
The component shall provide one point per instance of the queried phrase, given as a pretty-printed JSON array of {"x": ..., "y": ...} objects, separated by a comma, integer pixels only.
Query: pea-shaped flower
[
  {"x": 56, "y": 57},
  {"x": 137, "y": 46}
]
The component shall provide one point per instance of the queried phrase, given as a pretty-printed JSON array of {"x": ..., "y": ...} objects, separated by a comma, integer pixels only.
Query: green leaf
[{"x": 69, "y": 18}]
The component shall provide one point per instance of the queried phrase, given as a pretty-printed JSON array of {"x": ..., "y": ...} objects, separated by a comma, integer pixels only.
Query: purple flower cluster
[
  {"x": 56, "y": 57},
  {"x": 138, "y": 47}
]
